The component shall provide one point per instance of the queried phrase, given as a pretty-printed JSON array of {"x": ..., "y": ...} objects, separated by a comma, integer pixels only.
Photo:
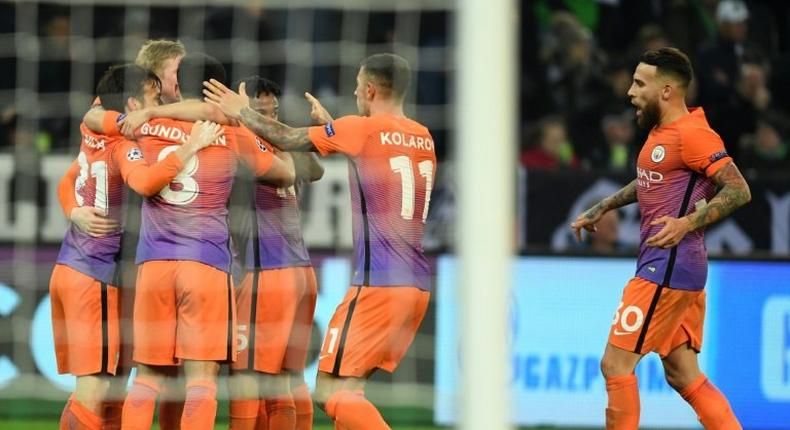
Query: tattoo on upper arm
[
  {"x": 278, "y": 134},
  {"x": 733, "y": 193}
]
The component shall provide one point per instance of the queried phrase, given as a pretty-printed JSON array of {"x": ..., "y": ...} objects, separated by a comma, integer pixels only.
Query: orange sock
[
  {"x": 622, "y": 412},
  {"x": 711, "y": 406},
  {"x": 77, "y": 417},
  {"x": 304, "y": 407},
  {"x": 263, "y": 417},
  {"x": 138, "y": 408},
  {"x": 111, "y": 414},
  {"x": 200, "y": 407},
  {"x": 351, "y": 410},
  {"x": 243, "y": 414},
  {"x": 281, "y": 412}
]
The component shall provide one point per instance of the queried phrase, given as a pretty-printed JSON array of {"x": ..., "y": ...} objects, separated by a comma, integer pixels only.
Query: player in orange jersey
[
  {"x": 392, "y": 165},
  {"x": 684, "y": 182},
  {"x": 276, "y": 299},
  {"x": 83, "y": 287},
  {"x": 184, "y": 311}
]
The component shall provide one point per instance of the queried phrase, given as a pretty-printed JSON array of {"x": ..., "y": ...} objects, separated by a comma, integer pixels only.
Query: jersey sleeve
[
  {"x": 254, "y": 152},
  {"x": 66, "y": 193},
  {"x": 703, "y": 150},
  {"x": 346, "y": 135},
  {"x": 110, "y": 123},
  {"x": 141, "y": 177}
]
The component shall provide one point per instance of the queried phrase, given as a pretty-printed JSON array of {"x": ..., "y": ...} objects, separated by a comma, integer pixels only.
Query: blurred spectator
[
  {"x": 719, "y": 62},
  {"x": 737, "y": 116},
  {"x": 620, "y": 152},
  {"x": 767, "y": 147},
  {"x": 549, "y": 147},
  {"x": 649, "y": 37},
  {"x": 574, "y": 83}
]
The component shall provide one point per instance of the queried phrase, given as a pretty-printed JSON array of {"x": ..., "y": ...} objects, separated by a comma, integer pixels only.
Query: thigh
[
  {"x": 302, "y": 329},
  {"x": 690, "y": 330},
  {"x": 206, "y": 313},
  {"x": 372, "y": 329},
  {"x": 154, "y": 318},
  {"x": 648, "y": 317},
  {"x": 85, "y": 323},
  {"x": 279, "y": 293}
]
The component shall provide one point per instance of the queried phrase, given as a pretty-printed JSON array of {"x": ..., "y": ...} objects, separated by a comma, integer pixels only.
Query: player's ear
[
  {"x": 132, "y": 104},
  {"x": 666, "y": 92},
  {"x": 370, "y": 90}
]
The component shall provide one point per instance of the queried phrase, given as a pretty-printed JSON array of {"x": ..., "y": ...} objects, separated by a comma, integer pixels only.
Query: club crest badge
[{"x": 658, "y": 154}]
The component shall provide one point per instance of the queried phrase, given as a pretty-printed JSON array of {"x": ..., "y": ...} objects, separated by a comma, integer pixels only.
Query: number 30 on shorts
[{"x": 631, "y": 319}]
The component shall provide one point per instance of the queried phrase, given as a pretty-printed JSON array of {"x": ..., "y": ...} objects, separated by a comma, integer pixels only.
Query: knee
[
  {"x": 325, "y": 387},
  {"x": 678, "y": 380},
  {"x": 609, "y": 367}
]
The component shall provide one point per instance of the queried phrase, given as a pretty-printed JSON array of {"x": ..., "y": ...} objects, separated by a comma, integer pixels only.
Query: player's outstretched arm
[
  {"x": 188, "y": 110},
  {"x": 733, "y": 193},
  {"x": 590, "y": 217},
  {"x": 317, "y": 111},
  {"x": 236, "y": 106}
]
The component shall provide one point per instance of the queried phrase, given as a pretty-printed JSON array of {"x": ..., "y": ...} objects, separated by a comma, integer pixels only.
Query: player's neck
[
  {"x": 386, "y": 109},
  {"x": 673, "y": 113}
]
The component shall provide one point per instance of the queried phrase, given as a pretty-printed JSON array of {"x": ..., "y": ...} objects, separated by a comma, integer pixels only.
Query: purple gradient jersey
[
  {"x": 673, "y": 179},
  {"x": 391, "y": 169},
  {"x": 187, "y": 220},
  {"x": 101, "y": 185},
  {"x": 279, "y": 233}
]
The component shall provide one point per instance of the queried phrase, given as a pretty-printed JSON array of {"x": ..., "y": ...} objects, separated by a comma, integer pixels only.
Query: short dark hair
[
  {"x": 196, "y": 68},
  {"x": 255, "y": 85},
  {"x": 389, "y": 71},
  {"x": 670, "y": 61},
  {"x": 120, "y": 82}
]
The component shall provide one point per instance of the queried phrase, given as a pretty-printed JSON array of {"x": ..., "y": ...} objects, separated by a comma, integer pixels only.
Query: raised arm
[
  {"x": 236, "y": 106},
  {"x": 588, "y": 218}
]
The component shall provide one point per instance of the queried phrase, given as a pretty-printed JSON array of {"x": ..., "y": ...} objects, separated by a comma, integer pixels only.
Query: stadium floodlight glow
[{"x": 486, "y": 175}]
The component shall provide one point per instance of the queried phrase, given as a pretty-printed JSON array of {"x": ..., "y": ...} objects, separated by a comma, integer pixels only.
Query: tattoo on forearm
[
  {"x": 624, "y": 196},
  {"x": 278, "y": 134},
  {"x": 733, "y": 194}
]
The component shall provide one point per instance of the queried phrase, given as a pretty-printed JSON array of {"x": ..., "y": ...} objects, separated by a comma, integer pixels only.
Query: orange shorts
[
  {"x": 658, "y": 319},
  {"x": 84, "y": 323},
  {"x": 372, "y": 329},
  {"x": 283, "y": 314},
  {"x": 183, "y": 310}
]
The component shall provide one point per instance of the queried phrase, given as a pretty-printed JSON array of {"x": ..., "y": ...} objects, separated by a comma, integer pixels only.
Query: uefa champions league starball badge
[{"x": 658, "y": 154}]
